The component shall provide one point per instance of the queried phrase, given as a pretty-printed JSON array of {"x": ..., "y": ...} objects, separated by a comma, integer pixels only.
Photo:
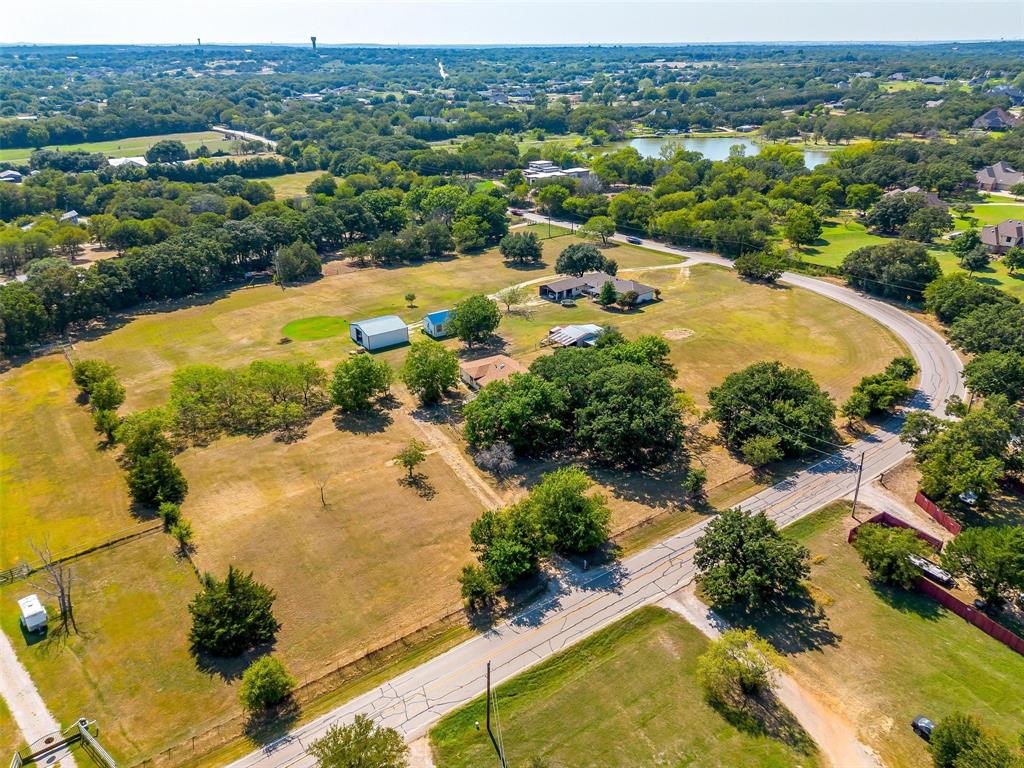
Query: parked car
[
  {"x": 923, "y": 727},
  {"x": 515, "y": 211},
  {"x": 568, "y": 302},
  {"x": 933, "y": 572},
  {"x": 634, "y": 240},
  {"x": 980, "y": 604}
]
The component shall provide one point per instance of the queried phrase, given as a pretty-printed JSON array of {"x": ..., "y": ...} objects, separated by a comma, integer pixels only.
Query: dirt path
[
  {"x": 463, "y": 470},
  {"x": 831, "y": 731},
  {"x": 420, "y": 755},
  {"x": 879, "y": 497},
  {"x": 23, "y": 700}
]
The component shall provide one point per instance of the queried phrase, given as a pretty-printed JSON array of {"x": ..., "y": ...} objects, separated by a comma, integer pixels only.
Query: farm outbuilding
[
  {"x": 435, "y": 324},
  {"x": 380, "y": 332},
  {"x": 33, "y": 614}
]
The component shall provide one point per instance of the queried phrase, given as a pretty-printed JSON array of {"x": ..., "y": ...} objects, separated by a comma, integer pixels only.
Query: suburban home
[
  {"x": 590, "y": 284},
  {"x": 931, "y": 199},
  {"x": 996, "y": 119},
  {"x": 435, "y": 324},
  {"x": 11, "y": 177},
  {"x": 70, "y": 217},
  {"x": 380, "y": 332},
  {"x": 33, "y": 614},
  {"x": 998, "y": 177},
  {"x": 1001, "y": 237},
  {"x": 932, "y": 80},
  {"x": 480, "y": 373},
  {"x": 539, "y": 170},
  {"x": 137, "y": 162},
  {"x": 573, "y": 335}
]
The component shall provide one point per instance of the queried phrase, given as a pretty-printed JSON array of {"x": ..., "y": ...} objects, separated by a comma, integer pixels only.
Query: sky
[{"x": 475, "y": 22}]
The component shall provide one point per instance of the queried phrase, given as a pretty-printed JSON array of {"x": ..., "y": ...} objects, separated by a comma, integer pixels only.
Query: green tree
[
  {"x": 551, "y": 198},
  {"x": 297, "y": 261},
  {"x": 955, "y": 733},
  {"x": 363, "y": 744},
  {"x": 509, "y": 542},
  {"x": 996, "y": 373},
  {"x": 738, "y": 665},
  {"x": 891, "y": 212},
  {"x": 744, "y": 560},
  {"x": 524, "y": 411},
  {"x": 513, "y": 296},
  {"x": 410, "y": 457},
  {"x": 474, "y": 319},
  {"x": 477, "y": 588},
  {"x": 886, "y": 553},
  {"x": 925, "y": 224},
  {"x": 601, "y": 227},
  {"x": 22, "y": 314},
  {"x": 521, "y": 248},
  {"x": 899, "y": 269},
  {"x": 579, "y": 258},
  {"x": 991, "y": 559},
  {"x": 429, "y": 370},
  {"x": 759, "y": 450},
  {"x": 1013, "y": 259},
  {"x": 607, "y": 295},
  {"x": 265, "y": 682},
  {"x": 990, "y": 327},
  {"x": 975, "y": 259},
  {"x": 358, "y": 380},
  {"x": 183, "y": 535},
  {"x": 154, "y": 478},
  {"x": 862, "y": 196},
  {"x": 106, "y": 422},
  {"x": 965, "y": 243},
  {"x": 802, "y": 225},
  {"x": 953, "y": 296},
  {"x": 167, "y": 151},
  {"x": 232, "y": 615},
  {"x": 88, "y": 373},
  {"x": 107, "y": 394},
  {"x": 575, "y": 521},
  {"x": 470, "y": 234},
  {"x": 764, "y": 265},
  {"x": 324, "y": 184}
]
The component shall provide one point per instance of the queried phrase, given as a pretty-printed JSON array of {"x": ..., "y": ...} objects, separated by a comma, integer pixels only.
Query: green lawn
[
  {"x": 990, "y": 213},
  {"x": 544, "y": 230},
  {"x": 136, "y": 145},
  {"x": 314, "y": 328},
  {"x": 627, "y": 696},
  {"x": 836, "y": 241},
  {"x": 883, "y": 656},
  {"x": 292, "y": 184}
]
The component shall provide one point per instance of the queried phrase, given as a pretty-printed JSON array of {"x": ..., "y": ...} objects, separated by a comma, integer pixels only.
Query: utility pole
[
  {"x": 856, "y": 492},
  {"x": 313, "y": 40},
  {"x": 497, "y": 748}
]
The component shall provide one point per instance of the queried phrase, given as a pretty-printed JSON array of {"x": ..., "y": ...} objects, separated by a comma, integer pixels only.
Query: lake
[{"x": 714, "y": 147}]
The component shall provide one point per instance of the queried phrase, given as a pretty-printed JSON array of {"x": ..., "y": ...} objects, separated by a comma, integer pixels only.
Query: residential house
[
  {"x": 435, "y": 324},
  {"x": 480, "y": 373},
  {"x": 1001, "y": 237},
  {"x": 590, "y": 284},
  {"x": 11, "y": 177},
  {"x": 584, "y": 335},
  {"x": 931, "y": 199},
  {"x": 70, "y": 217},
  {"x": 933, "y": 80},
  {"x": 380, "y": 332},
  {"x": 138, "y": 162},
  {"x": 996, "y": 119},
  {"x": 998, "y": 177},
  {"x": 1014, "y": 94}
]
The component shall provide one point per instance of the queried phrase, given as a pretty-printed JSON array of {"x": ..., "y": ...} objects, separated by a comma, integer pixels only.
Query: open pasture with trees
[
  {"x": 883, "y": 655},
  {"x": 133, "y": 146},
  {"x": 639, "y": 672}
]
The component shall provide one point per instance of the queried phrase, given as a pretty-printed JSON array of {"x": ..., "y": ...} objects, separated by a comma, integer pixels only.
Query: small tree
[
  {"x": 297, "y": 261},
  {"x": 576, "y": 522},
  {"x": 87, "y": 373},
  {"x": 513, "y": 296},
  {"x": 183, "y": 535},
  {"x": 474, "y": 319},
  {"x": 1013, "y": 259},
  {"x": 358, "y": 380},
  {"x": 601, "y": 227},
  {"x": 886, "y": 553},
  {"x": 694, "y": 482},
  {"x": 955, "y": 733},
  {"x": 761, "y": 450},
  {"x": 992, "y": 560},
  {"x": 429, "y": 369},
  {"x": 628, "y": 299},
  {"x": 265, "y": 682},
  {"x": 975, "y": 259},
  {"x": 414, "y": 454},
  {"x": 410, "y": 299},
  {"x": 607, "y": 295},
  {"x": 106, "y": 422},
  {"x": 521, "y": 248},
  {"x": 232, "y": 615},
  {"x": 363, "y": 744},
  {"x": 738, "y": 665},
  {"x": 170, "y": 514},
  {"x": 477, "y": 588},
  {"x": 499, "y": 458}
]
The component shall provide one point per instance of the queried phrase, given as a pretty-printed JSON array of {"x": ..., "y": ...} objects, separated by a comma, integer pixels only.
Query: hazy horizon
[{"x": 495, "y": 23}]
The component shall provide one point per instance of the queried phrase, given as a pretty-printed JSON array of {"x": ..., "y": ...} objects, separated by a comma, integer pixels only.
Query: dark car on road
[
  {"x": 923, "y": 727},
  {"x": 634, "y": 240}
]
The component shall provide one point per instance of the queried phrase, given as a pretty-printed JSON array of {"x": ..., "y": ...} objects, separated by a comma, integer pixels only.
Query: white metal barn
[
  {"x": 33, "y": 614},
  {"x": 380, "y": 332}
]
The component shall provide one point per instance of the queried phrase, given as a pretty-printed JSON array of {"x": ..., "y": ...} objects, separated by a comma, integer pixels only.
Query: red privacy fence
[
  {"x": 891, "y": 521},
  {"x": 973, "y": 615},
  {"x": 937, "y": 514}
]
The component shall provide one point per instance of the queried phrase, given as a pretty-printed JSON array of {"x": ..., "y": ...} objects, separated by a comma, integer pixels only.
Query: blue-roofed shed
[
  {"x": 436, "y": 323},
  {"x": 380, "y": 332}
]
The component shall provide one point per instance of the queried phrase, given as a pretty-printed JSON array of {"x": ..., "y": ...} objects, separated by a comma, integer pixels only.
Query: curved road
[{"x": 582, "y": 603}]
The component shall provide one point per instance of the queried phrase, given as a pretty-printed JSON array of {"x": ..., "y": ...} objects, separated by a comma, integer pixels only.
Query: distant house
[
  {"x": 11, "y": 177},
  {"x": 435, "y": 324},
  {"x": 432, "y": 120},
  {"x": 932, "y": 199},
  {"x": 998, "y": 177},
  {"x": 934, "y": 103},
  {"x": 933, "y": 80},
  {"x": 480, "y": 373},
  {"x": 1014, "y": 94},
  {"x": 573, "y": 335},
  {"x": 71, "y": 217},
  {"x": 1001, "y": 237},
  {"x": 996, "y": 119},
  {"x": 137, "y": 162},
  {"x": 380, "y": 332},
  {"x": 590, "y": 284}
]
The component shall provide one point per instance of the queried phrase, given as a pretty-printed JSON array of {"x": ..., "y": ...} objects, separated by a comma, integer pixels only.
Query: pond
[{"x": 714, "y": 147}]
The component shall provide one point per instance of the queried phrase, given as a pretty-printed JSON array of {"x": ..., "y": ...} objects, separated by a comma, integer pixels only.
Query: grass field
[
  {"x": 292, "y": 184},
  {"x": 136, "y": 145},
  {"x": 990, "y": 213},
  {"x": 837, "y": 240},
  {"x": 884, "y": 656},
  {"x": 378, "y": 559},
  {"x": 627, "y": 696},
  {"x": 10, "y": 736}
]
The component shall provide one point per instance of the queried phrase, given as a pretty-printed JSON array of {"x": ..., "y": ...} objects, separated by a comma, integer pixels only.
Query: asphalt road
[{"x": 582, "y": 603}]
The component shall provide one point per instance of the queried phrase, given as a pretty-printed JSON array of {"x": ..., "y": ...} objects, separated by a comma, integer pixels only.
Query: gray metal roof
[{"x": 382, "y": 324}]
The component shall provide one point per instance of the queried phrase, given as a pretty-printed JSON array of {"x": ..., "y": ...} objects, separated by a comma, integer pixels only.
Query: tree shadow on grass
[
  {"x": 420, "y": 483},
  {"x": 369, "y": 422},
  {"x": 493, "y": 345},
  {"x": 230, "y": 668},
  {"x": 792, "y": 625},
  {"x": 265, "y": 728},
  {"x": 765, "y": 715},
  {"x": 906, "y": 601}
]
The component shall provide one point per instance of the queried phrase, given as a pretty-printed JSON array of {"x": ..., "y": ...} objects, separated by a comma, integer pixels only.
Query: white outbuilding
[
  {"x": 33, "y": 614},
  {"x": 380, "y": 332}
]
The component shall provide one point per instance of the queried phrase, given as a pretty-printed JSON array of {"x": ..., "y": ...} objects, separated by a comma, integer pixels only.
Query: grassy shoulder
[
  {"x": 627, "y": 696},
  {"x": 883, "y": 656}
]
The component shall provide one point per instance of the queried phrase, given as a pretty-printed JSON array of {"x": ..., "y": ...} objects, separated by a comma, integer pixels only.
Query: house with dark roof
[
  {"x": 998, "y": 177},
  {"x": 591, "y": 283},
  {"x": 1001, "y": 237},
  {"x": 931, "y": 199},
  {"x": 11, "y": 176},
  {"x": 996, "y": 119}
]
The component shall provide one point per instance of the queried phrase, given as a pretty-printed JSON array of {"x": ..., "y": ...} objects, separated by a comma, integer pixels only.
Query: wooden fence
[
  {"x": 937, "y": 514},
  {"x": 973, "y": 615},
  {"x": 891, "y": 521}
]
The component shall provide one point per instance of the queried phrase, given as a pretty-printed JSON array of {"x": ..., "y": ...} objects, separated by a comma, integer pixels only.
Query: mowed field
[
  {"x": 883, "y": 656},
  {"x": 627, "y": 696},
  {"x": 376, "y": 559},
  {"x": 130, "y": 147},
  {"x": 291, "y": 184}
]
